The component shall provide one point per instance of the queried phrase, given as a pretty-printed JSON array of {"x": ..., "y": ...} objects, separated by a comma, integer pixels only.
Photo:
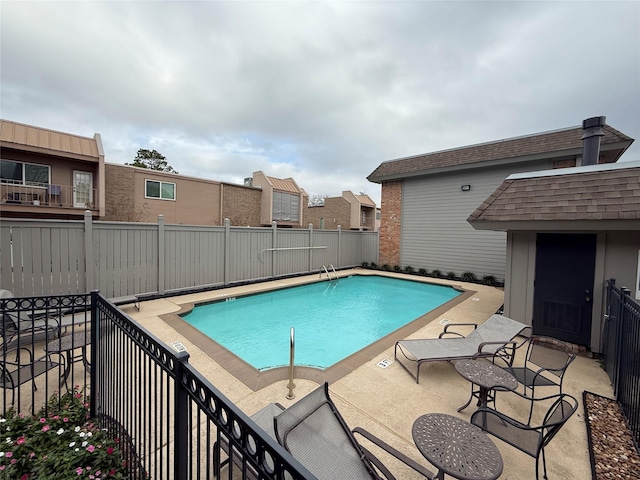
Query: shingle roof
[
  {"x": 28, "y": 137},
  {"x": 556, "y": 142},
  {"x": 596, "y": 193}
]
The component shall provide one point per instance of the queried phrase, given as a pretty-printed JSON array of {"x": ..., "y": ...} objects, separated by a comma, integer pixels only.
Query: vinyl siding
[{"x": 435, "y": 231}]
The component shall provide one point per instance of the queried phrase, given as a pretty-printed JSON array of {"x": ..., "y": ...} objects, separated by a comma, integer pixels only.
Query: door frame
[
  {"x": 75, "y": 186},
  {"x": 586, "y": 331}
]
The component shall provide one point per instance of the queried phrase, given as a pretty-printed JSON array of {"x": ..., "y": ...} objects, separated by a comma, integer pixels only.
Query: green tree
[{"x": 152, "y": 160}]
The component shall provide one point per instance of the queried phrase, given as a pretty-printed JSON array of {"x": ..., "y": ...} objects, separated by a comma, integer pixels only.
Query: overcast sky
[{"x": 319, "y": 91}]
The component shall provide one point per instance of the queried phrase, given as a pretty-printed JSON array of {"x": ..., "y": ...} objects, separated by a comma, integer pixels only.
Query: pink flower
[
  {"x": 8, "y": 454},
  {"x": 20, "y": 441},
  {"x": 24, "y": 477},
  {"x": 32, "y": 454},
  {"x": 46, "y": 428},
  {"x": 109, "y": 450},
  {"x": 90, "y": 449},
  {"x": 13, "y": 461},
  {"x": 79, "y": 471},
  {"x": 65, "y": 419},
  {"x": 43, "y": 420},
  {"x": 2, "y": 467}
]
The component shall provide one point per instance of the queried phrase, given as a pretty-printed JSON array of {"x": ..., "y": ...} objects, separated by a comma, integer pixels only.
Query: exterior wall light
[{"x": 465, "y": 188}]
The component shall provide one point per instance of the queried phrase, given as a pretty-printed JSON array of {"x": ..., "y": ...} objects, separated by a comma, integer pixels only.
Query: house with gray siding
[
  {"x": 568, "y": 231},
  {"x": 426, "y": 199}
]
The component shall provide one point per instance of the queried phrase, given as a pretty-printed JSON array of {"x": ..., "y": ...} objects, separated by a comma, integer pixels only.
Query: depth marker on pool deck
[
  {"x": 178, "y": 347},
  {"x": 384, "y": 363}
]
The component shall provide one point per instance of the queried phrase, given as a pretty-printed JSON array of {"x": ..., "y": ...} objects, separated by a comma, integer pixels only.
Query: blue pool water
[{"x": 331, "y": 320}]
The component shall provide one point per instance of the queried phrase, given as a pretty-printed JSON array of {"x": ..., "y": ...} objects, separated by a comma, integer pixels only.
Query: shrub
[
  {"x": 409, "y": 270},
  {"x": 469, "y": 277},
  {"x": 423, "y": 272},
  {"x": 397, "y": 268},
  {"x": 436, "y": 273},
  {"x": 451, "y": 275},
  {"x": 365, "y": 264},
  {"x": 374, "y": 266},
  {"x": 489, "y": 280},
  {"x": 60, "y": 442},
  {"x": 386, "y": 267}
]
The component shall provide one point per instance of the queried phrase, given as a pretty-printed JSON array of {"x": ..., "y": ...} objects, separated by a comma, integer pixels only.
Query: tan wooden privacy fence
[{"x": 50, "y": 257}]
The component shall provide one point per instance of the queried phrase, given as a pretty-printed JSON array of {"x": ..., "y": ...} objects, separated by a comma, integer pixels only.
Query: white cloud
[{"x": 322, "y": 92}]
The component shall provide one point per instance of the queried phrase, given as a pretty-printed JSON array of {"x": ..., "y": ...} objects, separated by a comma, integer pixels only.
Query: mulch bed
[{"x": 613, "y": 453}]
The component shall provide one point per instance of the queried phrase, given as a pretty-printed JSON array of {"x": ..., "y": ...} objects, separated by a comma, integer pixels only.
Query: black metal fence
[
  {"x": 171, "y": 421},
  {"x": 621, "y": 349},
  {"x": 36, "y": 355}
]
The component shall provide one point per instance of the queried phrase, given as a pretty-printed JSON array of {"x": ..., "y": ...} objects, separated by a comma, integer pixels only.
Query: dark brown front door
[{"x": 563, "y": 295}]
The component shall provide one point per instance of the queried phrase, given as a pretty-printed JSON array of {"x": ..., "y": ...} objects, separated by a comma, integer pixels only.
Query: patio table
[
  {"x": 487, "y": 376},
  {"x": 67, "y": 344},
  {"x": 456, "y": 447}
]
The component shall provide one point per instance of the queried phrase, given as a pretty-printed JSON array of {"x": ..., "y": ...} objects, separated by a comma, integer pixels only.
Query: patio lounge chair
[
  {"x": 315, "y": 433},
  {"x": 317, "y": 436},
  {"x": 531, "y": 440},
  {"x": 494, "y": 337}
]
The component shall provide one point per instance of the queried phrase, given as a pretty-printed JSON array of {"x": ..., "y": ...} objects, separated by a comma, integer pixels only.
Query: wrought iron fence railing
[
  {"x": 621, "y": 350},
  {"x": 171, "y": 420}
]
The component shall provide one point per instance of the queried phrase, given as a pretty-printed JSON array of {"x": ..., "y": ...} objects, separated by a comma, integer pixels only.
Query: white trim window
[
  {"x": 21, "y": 173},
  {"x": 159, "y": 190}
]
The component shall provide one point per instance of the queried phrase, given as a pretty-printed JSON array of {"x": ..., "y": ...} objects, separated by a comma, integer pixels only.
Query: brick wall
[
  {"x": 336, "y": 211},
  {"x": 241, "y": 205},
  {"x": 390, "y": 223},
  {"x": 119, "y": 189}
]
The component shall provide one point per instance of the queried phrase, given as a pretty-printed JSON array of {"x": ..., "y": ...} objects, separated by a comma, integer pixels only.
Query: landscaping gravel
[{"x": 613, "y": 454}]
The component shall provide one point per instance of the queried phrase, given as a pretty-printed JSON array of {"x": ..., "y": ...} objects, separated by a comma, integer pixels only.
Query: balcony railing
[{"x": 48, "y": 195}]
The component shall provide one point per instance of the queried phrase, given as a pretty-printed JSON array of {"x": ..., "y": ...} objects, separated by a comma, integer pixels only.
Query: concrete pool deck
[{"x": 386, "y": 401}]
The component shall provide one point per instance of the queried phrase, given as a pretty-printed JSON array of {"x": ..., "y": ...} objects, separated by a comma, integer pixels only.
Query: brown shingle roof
[
  {"x": 596, "y": 194},
  {"x": 28, "y": 137},
  {"x": 557, "y": 142}
]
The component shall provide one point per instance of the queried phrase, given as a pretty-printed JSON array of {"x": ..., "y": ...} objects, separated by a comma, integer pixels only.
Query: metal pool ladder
[{"x": 335, "y": 275}]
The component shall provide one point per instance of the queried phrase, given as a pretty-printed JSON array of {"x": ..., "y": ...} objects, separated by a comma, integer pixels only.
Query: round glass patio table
[{"x": 456, "y": 447}]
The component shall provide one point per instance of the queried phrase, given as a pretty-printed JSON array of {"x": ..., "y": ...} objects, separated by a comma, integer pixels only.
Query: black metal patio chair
[
  {"x": 16, "y": 370},
  {"x": 529, "y": 439},
  {"x": 545, "y": 362}
]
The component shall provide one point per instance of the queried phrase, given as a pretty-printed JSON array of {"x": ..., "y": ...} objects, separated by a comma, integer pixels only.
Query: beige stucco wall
[{"x": 616, "y": 257}]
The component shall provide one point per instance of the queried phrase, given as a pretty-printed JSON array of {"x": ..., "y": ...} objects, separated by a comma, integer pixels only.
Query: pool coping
[{"x": 255, "y": 379}]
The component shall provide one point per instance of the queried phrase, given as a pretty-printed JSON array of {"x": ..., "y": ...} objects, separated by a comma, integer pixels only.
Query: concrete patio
[{"x": 386, "y": 401}]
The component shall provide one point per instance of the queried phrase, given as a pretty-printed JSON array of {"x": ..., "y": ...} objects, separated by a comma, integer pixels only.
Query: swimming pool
[{"x": 332, "y": 320}]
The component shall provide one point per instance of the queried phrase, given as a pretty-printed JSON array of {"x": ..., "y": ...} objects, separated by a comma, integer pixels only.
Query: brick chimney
[{"x": 591, "y": 139}]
